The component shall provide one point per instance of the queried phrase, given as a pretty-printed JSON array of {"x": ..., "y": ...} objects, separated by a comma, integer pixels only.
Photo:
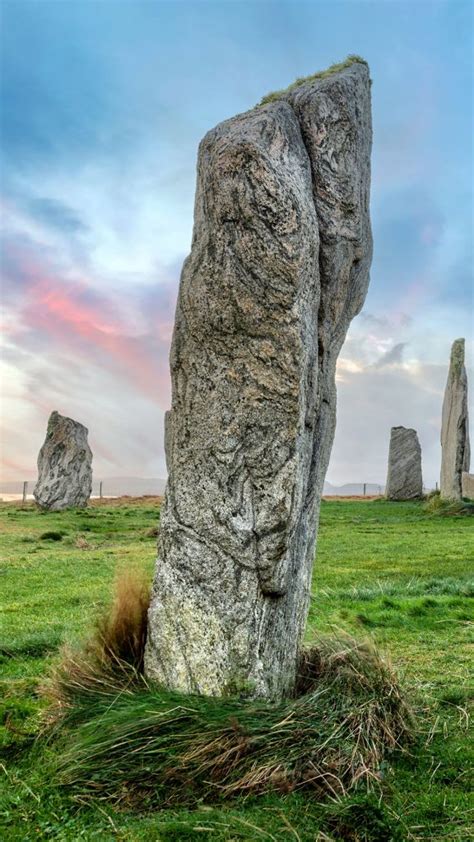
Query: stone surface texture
[
  {"x": 404, "y": 477},
  {"x": 455, "y": 449},
  {"x": 467, "y": 483},
  {"x": 279, "y": 266},
  {"x": 64, "y": 465}
]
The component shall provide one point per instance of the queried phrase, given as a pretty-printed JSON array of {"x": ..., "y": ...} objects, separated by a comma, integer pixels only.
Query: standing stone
[
  {"x": 467, "y": 482},
  {"x": 455, "y": 450},
  {"x": 64, "y": 465},
  {"x": 404, "y": 478},
  {"x": 279, "y": 266}
]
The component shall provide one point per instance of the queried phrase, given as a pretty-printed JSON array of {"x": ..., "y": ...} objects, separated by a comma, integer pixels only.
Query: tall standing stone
[
  {"x": 455, "y": 449},
  {"x": 404, "y": 477},
  {"x": 279, "y": 266},
  {"x": 64, "y": 465}
]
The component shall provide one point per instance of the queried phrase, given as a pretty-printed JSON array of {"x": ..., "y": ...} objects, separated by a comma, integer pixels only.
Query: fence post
[
  {"x": 365, "y": 488},
  {"x": 25, "y": 489},
  {"x": 100, "y": 489},
  {"x": 436, "y": 486}
]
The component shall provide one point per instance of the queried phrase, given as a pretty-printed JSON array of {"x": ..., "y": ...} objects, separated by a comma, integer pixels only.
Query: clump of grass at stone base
[
  {"x": 321, "y": 74},
  {"x": 443, "y": 507},
  {"x": 121, "y": 738}
]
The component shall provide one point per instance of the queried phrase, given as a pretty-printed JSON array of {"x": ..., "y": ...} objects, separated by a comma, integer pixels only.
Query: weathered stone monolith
[
  {"x": 279, "y": 266},
  {"x": 467, "y": 485},
  {"x": 404, "y": 477},
  {"x": 455, "y": 450},
  {"x": 64, "y": 465}
]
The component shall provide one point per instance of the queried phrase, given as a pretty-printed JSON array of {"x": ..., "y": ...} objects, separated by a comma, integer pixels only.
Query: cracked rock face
[
  {"x": 404, "y": 478},
  {"x": 279, "y": 266},
  {"x": 64, "y": 465},
  {"x": 455, "y": 450}
]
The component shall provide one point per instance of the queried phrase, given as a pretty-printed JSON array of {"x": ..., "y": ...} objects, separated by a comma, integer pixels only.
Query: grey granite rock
[
  {"x": 404, "y": 477},
  {"x": 64, "y": 465},
  {"x": 279, "y": 266},
  {"x": 467, "y": 483},
  {"x": 455, "y": 449}
]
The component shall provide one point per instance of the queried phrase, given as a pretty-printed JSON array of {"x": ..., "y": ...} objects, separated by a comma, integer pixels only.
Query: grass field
[{"x": 390, "y": 572}]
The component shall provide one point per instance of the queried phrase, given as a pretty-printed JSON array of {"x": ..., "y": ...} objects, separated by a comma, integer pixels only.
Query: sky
[{"x": 103, "y": 107}]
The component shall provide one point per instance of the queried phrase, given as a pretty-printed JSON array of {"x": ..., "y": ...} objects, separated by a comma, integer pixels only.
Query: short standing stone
[
  {"x": 279, "y": 266},
  {"x": 404, "y": 478},
  {"x": 64, "y": 465},
  {"x": 468, "y": 485},
  {"x": 455, "y": 448}
]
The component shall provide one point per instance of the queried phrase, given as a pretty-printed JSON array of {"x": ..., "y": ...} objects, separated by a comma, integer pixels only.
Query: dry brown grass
[
  {"x": 125, "y": 500},
  {"x": 138, "y": 741},
  {"x": 112, "y": 656},
  {"x": 81, "y": 543},
  {"x": 128, "y": 739},
  {"x": 125, "y": 735},
  {"x": 121, "y": 632}
]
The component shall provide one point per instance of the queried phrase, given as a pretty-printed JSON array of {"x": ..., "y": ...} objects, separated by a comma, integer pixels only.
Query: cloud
[
  {"x": 383, "y": 322},
  {"x": 125, "y": 428},
  {"x": 394, "y": 355},
  {"x": 104, "y": 105},
  {"x": 56, "y": 214},
  {"x": 73, "y": 317},
  {"x": 99, "y": 356},
  {"x": 372, "y": 400}
]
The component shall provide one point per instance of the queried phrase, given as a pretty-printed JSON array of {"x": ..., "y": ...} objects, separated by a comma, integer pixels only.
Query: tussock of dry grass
[
  {"x": 111, "y": 657},
  {"x": 121, "y": 633},
  {"x": 126, "y": 739},
  {"x": 443, "y": 507}
]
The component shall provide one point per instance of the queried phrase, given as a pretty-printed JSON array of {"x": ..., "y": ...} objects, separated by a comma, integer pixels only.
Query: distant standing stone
[
  {"x": 64, "y": 465},
  {"x": 468, "y": 485},
  {"x": 404, "y": 478},
  {"x": 455, "y": 448}
]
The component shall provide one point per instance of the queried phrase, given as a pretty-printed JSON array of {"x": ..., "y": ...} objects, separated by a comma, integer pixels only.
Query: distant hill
[
  {"x": 133, "y": 486},
  {"x": 138, "y": 486},
  {"x": 352, "y": 489}
]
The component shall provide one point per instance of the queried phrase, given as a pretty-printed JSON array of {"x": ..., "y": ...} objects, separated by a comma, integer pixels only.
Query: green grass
[
  {"x": 391, "y": 572},
  {"x": 321, "y": 74},
  {"x": 127, "y": 740}
]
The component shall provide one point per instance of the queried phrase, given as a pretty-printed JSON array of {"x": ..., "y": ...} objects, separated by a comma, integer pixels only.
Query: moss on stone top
[
  {"x": 321, "y": 74},
  {"x": 457, "y": 357}
]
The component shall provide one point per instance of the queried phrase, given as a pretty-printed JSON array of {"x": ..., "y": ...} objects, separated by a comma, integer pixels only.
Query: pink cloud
[{"x": 74, "y": 317}]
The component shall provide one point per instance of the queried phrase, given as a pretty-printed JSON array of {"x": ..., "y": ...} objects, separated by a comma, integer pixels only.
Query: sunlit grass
[{"x": 390, "y": 572}]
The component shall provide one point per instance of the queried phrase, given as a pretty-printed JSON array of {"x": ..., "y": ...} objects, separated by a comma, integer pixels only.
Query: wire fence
[
  {"x": 138, "y": 487},
  {"x": 23, "y": 490}
]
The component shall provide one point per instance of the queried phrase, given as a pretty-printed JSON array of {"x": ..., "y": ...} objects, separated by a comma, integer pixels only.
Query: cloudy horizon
[{"x": 103, "y": 107}]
